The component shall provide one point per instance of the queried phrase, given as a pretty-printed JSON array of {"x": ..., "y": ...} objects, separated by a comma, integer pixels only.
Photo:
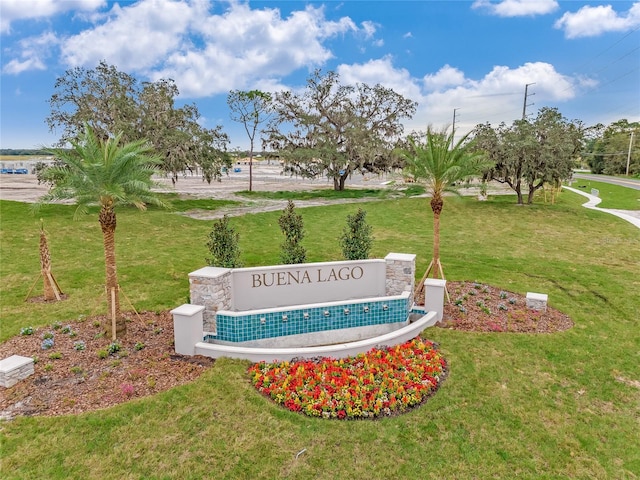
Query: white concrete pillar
[
  {"x": 187, "y": 328},
  {"x": 434, "y": 296}
]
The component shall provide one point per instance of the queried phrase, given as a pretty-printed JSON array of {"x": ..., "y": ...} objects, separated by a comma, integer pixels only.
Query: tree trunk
[
  {"x": 45, "y": 267},
  {"x": 108, "y": 226},
  {"x": 436, "y": 206},
  {"x": 251, "y": 167},
  {"x": 518, "y": 190},
  {"x": 338, "y": 183},
  {"x": 532, "y": 191}
]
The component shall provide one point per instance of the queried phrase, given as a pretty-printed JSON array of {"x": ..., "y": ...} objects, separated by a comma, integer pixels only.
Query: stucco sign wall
[{"x": 283, "y": 285}]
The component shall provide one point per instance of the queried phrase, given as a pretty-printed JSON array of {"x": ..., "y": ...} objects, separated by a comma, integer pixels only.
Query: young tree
[
  {"x": 356, "y": 237},
  {"x": 250, "y": 108},
  {"x": 440, "y": 164},
  {"x": 223, "y": 245},
  {"x": 292, "y": 227},
  {"x": 335, "y": 129},
  {"x": 107, "y": 174}
]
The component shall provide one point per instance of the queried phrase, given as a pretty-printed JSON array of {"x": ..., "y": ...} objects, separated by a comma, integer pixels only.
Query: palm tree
[
  {"x": 106, "y": 174},
  {"x": 440, "y": 164}
]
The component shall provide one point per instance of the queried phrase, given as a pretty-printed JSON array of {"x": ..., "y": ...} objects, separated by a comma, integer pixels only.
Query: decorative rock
[
  {"x": 15, "y": 368},
  {"x": 537, "y": 301}
]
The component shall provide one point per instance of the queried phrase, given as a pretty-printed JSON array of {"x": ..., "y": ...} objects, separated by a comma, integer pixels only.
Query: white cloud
[
  {"x": 495, "y": 97},
  {"x": 135, "y": 37},
  {"x": 369, "y": 29},
  {"x": 447, "y": 76},
  {"x": 34, "y": 52},
  {"x": 498, "y": 96},
  {"x": 407, "y": 35},
  {"x": 13, "y": 10},
  {"x": 517, "y": 8},
  {"x": 208, "y": 53},
  {"x": 381, "y": 72},
  {"x": 592, "y": 21}
]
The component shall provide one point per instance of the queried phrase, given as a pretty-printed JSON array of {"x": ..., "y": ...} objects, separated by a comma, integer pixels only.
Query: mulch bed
[{"x": 71, "y": 380}]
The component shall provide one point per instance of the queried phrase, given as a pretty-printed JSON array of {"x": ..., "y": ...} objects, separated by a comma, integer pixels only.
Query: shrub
[
  {"x": 113, "y": 348},
  {"x": 47, "y": 343},
  {"x": 138, "y": 346},
  {"x": 127, "y": 389},
  {"x": 223, "y": 245},
  {"x": 356, "y": 237},
  {"x": 292, "y": 227},
  {"x": 55, "y": 356},
  {"x": 79, "y": 346},
  {"x": 26, "y": 331}
]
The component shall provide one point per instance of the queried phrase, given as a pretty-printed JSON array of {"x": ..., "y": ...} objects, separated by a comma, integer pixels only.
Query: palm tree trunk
[
  {"x": 436, "y": 206},
  {"x": 108, "y": 226}
]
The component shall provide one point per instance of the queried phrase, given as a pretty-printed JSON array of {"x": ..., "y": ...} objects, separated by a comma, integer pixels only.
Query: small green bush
[
  {"x": 292, "y": 226},
  {"x": 26, "y": 331},
  {"x": 356, "y": 237},
  {"x": 223, "y": 245},
  {"x": 113, "y": 348}
]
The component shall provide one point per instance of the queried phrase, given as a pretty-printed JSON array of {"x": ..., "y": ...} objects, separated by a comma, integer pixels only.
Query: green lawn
[
  {"x": 613, "y": 196},
  {"x": 562, "y": 405},
  {"x": 325, "y": 193}
]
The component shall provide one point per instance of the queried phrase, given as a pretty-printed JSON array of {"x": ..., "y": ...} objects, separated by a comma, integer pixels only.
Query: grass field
[
  {"x": 565, "y": 405},
  {"x": 613, "y": 196}
]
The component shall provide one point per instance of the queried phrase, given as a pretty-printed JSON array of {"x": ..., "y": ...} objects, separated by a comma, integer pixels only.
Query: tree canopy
[
  {"x": 530, "y": 153},
  {"x": 334, "y": 129},
  {"x": 609, "y": 149},
  {"x": 113, "y": 102}
]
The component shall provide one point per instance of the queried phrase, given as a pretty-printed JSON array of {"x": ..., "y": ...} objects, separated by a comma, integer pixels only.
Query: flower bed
[{"x": 382, "y": 382}]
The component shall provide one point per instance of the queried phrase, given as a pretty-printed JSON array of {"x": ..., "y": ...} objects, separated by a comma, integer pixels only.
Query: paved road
[{"x": 623, "y": 182}]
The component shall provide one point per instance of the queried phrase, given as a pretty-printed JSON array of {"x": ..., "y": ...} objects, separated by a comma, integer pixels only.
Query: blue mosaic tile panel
[{"x": 243, "y": 328}]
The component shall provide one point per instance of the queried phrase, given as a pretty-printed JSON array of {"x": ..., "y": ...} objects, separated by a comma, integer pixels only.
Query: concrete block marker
[
  {"x": 537, "y": 301},
  {"x": 15, "y": 368}
]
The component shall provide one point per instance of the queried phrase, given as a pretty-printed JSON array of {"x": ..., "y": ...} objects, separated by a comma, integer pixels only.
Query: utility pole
[
  {"x": 453, "y": 131},
  {"x": 524, "y": 106},
  {"x": 629, "y": 153}
]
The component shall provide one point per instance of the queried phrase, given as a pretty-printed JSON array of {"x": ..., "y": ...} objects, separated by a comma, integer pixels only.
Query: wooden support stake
[
  {"x": 113, "y": 313},
  {"x": 54, "y": 285},
  {"x": 130, "y": 304},
  {"x": 31, "y": 289}
]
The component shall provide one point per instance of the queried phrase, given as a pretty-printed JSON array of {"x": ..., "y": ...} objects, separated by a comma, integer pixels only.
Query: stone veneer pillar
[
  {"x": 401, "y": 274},
  {"x": 211, "y": 287}
]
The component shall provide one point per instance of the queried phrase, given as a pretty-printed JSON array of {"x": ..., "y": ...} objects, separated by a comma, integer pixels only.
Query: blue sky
[{"x": 472, "y": 56}]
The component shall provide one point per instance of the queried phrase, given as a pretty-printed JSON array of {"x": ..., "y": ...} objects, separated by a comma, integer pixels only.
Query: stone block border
[{"x": 15, "y": 368}]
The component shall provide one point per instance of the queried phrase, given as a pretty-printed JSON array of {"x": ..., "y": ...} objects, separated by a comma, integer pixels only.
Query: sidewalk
[{"x": 631, "y": 216}]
